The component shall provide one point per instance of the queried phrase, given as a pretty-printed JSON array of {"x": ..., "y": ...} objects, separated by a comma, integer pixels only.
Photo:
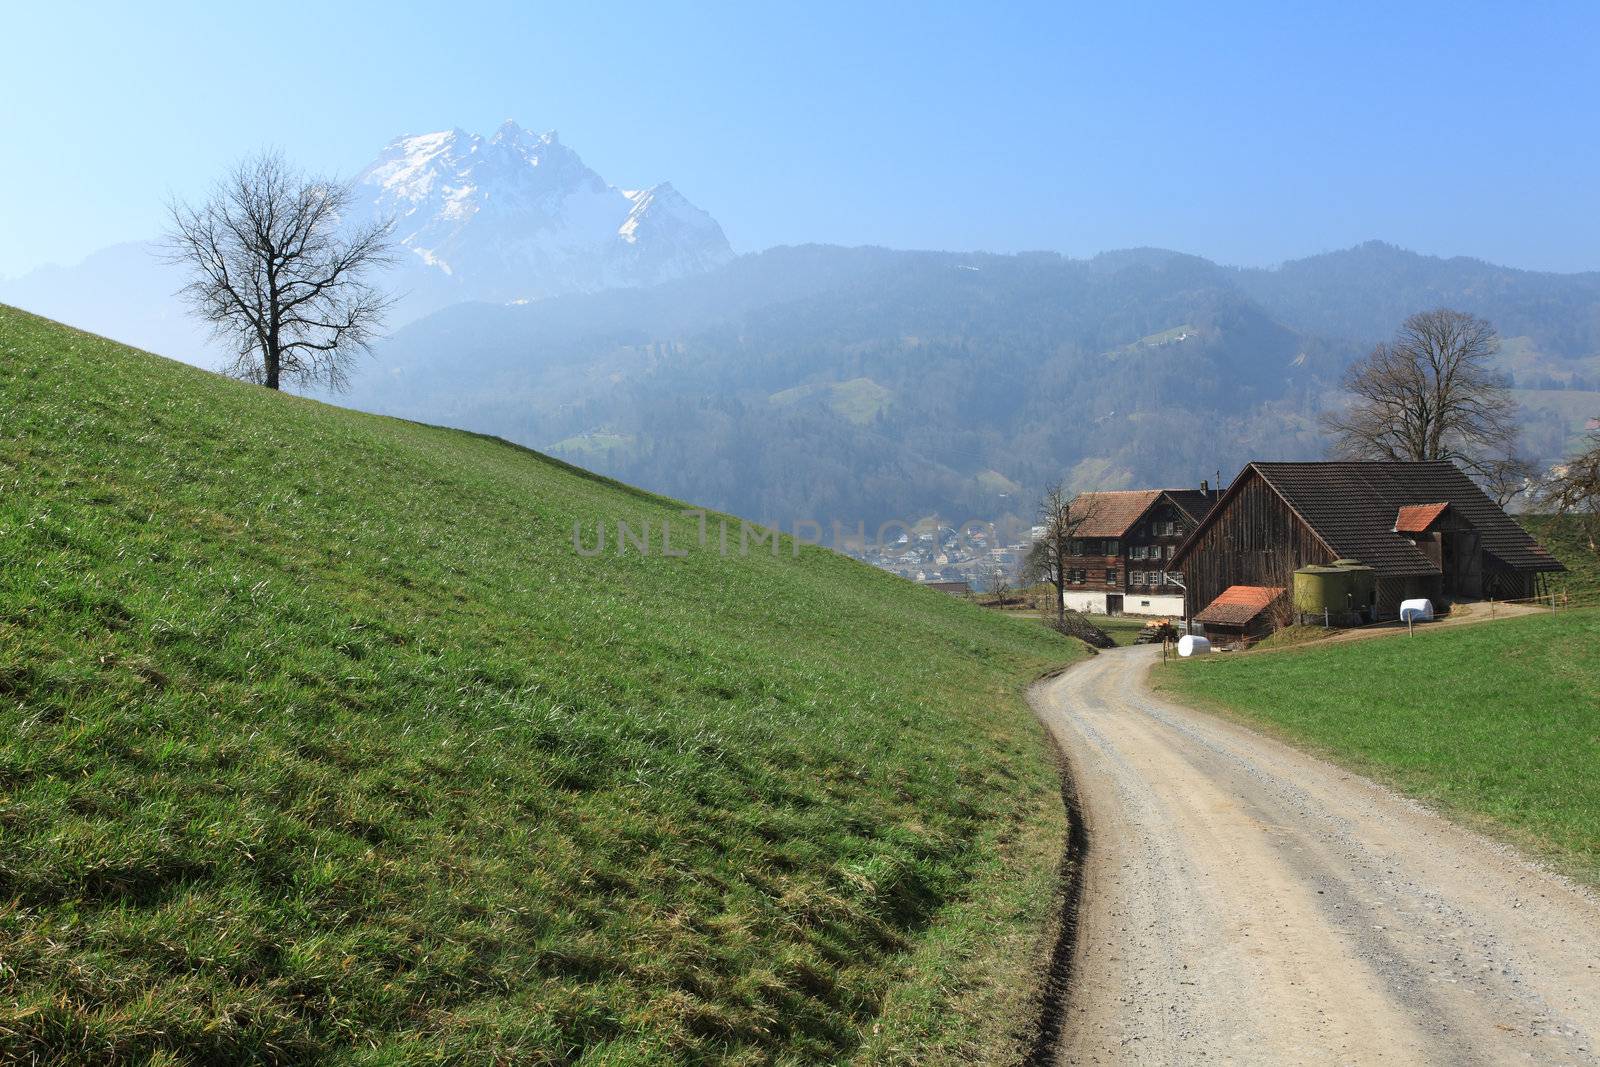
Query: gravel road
[{"x": 1242, "y": 902}]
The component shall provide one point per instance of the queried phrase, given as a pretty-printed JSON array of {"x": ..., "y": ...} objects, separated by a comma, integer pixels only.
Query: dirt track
[{"x": 1245, "y": 903}]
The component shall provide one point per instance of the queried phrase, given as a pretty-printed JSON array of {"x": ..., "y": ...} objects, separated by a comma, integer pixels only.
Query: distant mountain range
[
  {"x": 864, "y": 384},
  {"x": 616, "y": 328}
]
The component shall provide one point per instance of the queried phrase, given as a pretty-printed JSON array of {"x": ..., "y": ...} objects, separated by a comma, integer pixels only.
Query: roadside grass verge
[
  {"x": 1290, "y": 636},
  {"x": 320, "y": 742},
  {"x": 1497, "y": 722}
]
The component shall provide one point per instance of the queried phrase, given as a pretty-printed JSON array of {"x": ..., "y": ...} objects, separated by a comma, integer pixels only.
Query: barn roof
[
  {"x": 1111, "y": 514},
  {"x": 1239, "y": 604},
  {"x": 1352, "y": 506}
]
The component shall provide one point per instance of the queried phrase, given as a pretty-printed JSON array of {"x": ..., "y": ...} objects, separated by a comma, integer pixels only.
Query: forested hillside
[{"x": 867, "y": 384}]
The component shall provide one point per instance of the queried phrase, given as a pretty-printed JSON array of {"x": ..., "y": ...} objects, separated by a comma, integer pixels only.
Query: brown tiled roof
[
  {"x": 1416, "y": 518},
  {"x": 1239, "y": 604},
  {"x": 1196, "y": 503},
  {"x": 1352, "y": 507},
  {"x": 1111, "y": 514}
]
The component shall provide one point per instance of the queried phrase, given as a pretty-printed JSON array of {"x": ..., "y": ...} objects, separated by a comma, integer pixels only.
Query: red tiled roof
[
  {"x": 1110, "y": 514},
  {"x": 1416, "y": 518},
  {"x": 1239, "y": 604}
]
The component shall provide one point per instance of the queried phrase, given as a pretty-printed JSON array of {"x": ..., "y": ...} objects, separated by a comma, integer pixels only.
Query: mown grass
[
  {"x": 1498, "y": 722},
  {"x": 318, "y": 741}
]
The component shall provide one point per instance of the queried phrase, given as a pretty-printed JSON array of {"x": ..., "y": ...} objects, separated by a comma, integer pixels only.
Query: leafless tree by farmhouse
[
  {"x": 1432, "y": 393},
  {"x": 1061, "y": 521},
  {"x": 278, "y": 277}
]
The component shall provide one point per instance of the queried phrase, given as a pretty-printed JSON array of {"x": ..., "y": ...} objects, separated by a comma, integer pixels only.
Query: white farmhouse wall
[
  {"x": 1085, "y": 601},
  {"x": 1142, "y": 604}
]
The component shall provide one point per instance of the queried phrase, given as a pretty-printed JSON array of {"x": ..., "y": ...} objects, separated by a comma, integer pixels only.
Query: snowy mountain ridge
[{"x": 518, "y": 215}]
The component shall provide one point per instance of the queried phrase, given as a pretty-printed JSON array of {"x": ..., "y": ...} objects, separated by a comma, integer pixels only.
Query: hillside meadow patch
[{"x": 321, "y": 743}]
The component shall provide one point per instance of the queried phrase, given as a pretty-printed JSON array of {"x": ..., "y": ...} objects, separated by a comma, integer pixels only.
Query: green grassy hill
[
  {"x": 319, "y": 741},
  {"x": 1563, "y": 535},
  {"x": 1498, "y": 722}
]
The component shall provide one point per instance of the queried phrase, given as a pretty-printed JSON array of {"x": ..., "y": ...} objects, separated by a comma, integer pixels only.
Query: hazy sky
[{"x": 1248, "y": 134}]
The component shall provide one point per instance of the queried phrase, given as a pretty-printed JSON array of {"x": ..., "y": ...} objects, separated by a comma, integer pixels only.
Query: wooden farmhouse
[
  {"x": 1423, "y": 529},
  {"x": 1120, "y": 558}
]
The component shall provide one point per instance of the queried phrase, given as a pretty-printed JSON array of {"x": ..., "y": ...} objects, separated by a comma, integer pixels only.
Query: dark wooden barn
[{"x": 1425, "y": 528}]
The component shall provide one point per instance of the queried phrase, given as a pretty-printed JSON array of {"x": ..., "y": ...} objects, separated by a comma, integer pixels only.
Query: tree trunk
[
  {"x": 1061, "y": 593},
  {"x": 269, "y": 364}
]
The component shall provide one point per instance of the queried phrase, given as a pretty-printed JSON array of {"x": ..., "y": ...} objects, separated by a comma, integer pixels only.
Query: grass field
[
  {"x": 1564, "y": 538},
  {"x": 1497, "y": 722},
  {"x": 1122, "y": 628},
  {"x": 859, "y": 400},
  {"x": 319, "y": 741}
]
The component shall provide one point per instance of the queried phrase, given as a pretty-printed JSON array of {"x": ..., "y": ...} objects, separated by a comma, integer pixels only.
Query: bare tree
[
  {"x": 1507, "y": 477},
  {"x": 278, "y": 275},
  {"x": 1061, "y": 516},
  {"x": 999, "y": 582},
  {"x": 1573, "y": 490},
  {"x": 1432, "y": 393}
]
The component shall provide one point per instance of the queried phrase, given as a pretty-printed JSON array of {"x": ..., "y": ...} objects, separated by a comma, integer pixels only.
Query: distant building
[
  {"x": 959, "y": 588},
  {"x": 1120, "y": 558},
  {"x": 1425, "y": 529}
]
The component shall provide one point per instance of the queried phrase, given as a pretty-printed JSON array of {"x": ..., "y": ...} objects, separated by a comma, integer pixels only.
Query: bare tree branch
[
  {"x": 277, "y": 274},
  {"x": 1573, "y": 490},
  {"x": 1433, "y": 393}
]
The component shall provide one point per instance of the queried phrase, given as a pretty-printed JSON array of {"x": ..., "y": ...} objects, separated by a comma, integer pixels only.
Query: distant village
[{"x": 941, "y": 556}]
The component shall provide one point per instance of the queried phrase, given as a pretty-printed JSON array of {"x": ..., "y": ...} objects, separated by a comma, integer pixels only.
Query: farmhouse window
[
  {"x": 1111, "y": 576},
  {"x": 1113, "y": 547}
]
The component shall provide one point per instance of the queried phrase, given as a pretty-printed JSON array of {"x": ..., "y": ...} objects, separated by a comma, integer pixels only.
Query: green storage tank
[
  {"x": 1318, "y": 589},
  {"x": 1363, "y": 585}
]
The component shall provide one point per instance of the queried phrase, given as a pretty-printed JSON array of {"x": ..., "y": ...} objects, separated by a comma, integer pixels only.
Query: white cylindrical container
[
  {"x": 1191, "y": 645},
  {"x": 1416, "y": 610}
]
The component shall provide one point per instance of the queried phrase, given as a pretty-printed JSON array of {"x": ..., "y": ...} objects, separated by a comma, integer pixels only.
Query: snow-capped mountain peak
[{"x": 518, "y": 215}]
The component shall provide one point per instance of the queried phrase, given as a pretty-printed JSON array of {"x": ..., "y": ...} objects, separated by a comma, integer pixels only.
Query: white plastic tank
[
  {"x": 1192, "y": 645},
  {"x": 1416, "y": 610}
]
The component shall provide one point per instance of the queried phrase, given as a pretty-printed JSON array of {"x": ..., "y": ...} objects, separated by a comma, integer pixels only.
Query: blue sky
[{"x": 1246, "y": 133}]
